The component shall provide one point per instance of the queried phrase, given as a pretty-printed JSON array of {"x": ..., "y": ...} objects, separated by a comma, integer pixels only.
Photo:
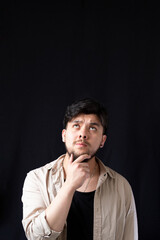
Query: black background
[{"x": 54, "y": 53}]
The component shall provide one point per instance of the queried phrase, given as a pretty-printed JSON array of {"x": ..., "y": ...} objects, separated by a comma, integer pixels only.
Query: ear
[
  {"x": 104, "y": 137},
  {"x": 63, "y": 135}
]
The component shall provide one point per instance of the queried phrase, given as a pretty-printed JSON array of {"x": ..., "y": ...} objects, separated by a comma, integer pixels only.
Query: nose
[
  {"x": 80, "y": 136},
  {"x": 83, "y": 134}
]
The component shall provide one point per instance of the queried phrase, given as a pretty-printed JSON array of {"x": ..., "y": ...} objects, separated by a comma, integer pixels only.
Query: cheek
[
  {"x": 69, "y": 137},
  {"x": 98, "y": 141}
]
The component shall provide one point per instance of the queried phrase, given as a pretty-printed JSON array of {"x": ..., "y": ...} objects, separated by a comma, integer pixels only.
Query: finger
[
  {"x": 82, "y": 158},
  {"x": 87, "y": 170},
  {"x": 87, "y": 175},
  {"x": 71, "y": 158}
]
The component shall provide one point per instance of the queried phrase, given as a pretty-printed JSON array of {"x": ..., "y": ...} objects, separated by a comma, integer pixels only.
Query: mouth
[{"x": 81, "y": 144}]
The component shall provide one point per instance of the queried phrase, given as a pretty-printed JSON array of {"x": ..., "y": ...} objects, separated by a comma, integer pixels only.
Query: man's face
[{"x": 83, "y": 134}]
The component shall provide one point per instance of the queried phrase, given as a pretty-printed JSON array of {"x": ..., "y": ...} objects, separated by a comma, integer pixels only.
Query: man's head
[
  {"x": 85, "y": 124},
  {"x": 86, "y": 106}
]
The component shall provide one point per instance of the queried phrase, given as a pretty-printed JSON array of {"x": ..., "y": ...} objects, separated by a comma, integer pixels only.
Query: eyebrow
[
  {"x": 76, "y": 121},
  {"x": 95, "y": 123}
]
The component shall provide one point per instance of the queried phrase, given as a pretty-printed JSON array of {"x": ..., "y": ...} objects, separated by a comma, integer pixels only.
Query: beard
[{"x": 76, "y": 155}]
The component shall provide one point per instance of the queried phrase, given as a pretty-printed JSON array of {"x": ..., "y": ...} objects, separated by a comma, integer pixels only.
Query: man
[{"x": 77, "y": 196}]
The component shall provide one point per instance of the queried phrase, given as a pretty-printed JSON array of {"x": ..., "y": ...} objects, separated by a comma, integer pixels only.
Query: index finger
[{"x": 82, "y": 157}]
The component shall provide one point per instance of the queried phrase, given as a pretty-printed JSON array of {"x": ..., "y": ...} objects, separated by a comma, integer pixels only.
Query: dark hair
[{"x": 86, "y": 106}]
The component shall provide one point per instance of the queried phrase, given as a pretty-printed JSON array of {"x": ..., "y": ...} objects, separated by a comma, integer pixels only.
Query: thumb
[{"x": 71, "y": 158}]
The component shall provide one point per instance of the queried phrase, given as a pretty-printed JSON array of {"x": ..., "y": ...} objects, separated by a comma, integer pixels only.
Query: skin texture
[{"x": 83, "y": 136}]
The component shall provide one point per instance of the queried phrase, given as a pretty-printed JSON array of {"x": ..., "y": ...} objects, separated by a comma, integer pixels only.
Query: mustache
[{"x": 81, "y": 141}]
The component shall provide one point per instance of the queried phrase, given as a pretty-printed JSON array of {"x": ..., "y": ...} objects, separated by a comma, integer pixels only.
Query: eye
[
  {"x": 76, "y": 126},
  {"x": 93, "y": 128}
]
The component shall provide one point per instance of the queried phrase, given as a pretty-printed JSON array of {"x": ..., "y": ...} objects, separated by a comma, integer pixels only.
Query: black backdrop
[{"x": 52, "y": 54}]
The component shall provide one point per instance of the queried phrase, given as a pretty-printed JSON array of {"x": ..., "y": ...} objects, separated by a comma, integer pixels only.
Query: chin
[{"x": 75, "y": 156}]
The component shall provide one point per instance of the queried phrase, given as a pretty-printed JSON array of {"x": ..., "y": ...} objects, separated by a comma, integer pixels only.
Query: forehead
[{"x": 86, "y": 118}]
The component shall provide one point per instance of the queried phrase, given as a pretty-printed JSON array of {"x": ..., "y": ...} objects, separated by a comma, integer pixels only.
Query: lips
[{"x": 81, "y": 144}]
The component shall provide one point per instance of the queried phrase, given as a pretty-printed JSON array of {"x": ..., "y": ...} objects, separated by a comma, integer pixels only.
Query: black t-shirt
[{"x": 80, "y": 217}]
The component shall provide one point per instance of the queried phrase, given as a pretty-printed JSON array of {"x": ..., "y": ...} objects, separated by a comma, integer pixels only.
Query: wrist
[{"x": 70, "y": 189}]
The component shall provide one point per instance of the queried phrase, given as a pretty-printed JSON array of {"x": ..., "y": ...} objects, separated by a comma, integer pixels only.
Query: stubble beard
[{"x": 76, "y": 155}]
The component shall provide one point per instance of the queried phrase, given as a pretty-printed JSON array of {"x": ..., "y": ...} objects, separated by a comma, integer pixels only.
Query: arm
[
  {"x": 131, "y": 225},
  {"x": 57, "y": 211},
  {"x": 40, "y": 221}
]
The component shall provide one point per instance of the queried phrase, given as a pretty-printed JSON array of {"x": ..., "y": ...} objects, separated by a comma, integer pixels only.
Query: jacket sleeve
[
  {"x": 131, "y": 225},
  {"x": 34, "y": 219}
]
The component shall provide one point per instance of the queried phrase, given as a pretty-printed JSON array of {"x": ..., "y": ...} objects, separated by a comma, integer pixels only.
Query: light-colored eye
[
  {"x": 93, "y": 128},
  {"x": 76, "y": 126}
]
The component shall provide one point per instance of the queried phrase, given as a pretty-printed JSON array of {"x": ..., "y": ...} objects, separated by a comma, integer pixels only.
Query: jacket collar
[{"x": 104, "y": 170}]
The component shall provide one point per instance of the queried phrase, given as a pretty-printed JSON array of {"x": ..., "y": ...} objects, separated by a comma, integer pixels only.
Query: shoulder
[
  {"x": 115, "y": 178},
  {"x": 43, "y": 171},
  {"x": 120, "y": 180},
  {"x": 116, "y": 187}
]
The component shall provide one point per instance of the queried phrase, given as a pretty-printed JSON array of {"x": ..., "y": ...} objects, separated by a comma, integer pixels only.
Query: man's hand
[{"x": 77, "y": 171}]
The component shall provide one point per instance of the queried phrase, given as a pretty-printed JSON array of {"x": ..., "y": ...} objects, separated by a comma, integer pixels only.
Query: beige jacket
[{"x": 114, "y": 207}]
